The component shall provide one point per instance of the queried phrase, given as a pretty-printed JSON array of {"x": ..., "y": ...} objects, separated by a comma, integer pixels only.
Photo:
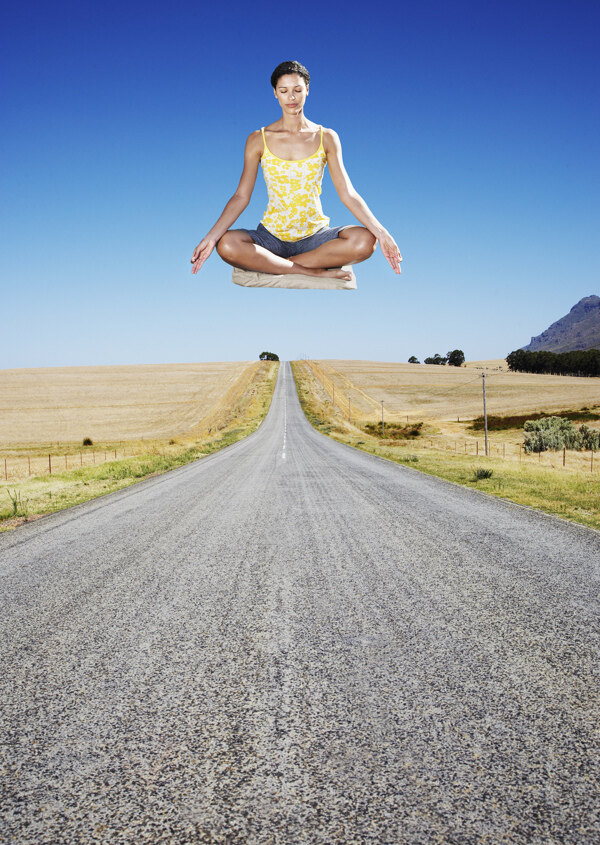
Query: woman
[{"x": 294, "y": 235}]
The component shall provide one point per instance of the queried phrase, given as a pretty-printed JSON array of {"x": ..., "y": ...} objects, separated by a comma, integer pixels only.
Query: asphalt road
[{"x": 293, "y": 642}]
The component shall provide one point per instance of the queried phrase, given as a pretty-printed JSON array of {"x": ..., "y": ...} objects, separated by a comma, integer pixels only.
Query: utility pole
[{"x": 485, "y": 414}]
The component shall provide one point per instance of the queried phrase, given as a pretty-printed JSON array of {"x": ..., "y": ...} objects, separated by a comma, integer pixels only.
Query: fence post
[
  {"x": 81, "y": 458},
  {"x": 5, "y": 470},
  {"x": 66, "y": 467},
  {"x": 477, "y": 447},
  {"x": 564, "y": 454},
  {"x": 382, "y": 421},
  {"x": 592, "y": 462},
  {"x": 349, "y": 411},
  {"x": 29, "y": 463},
  {"x": 485, "y": 414},
  {"x": 50, "y": 463}
]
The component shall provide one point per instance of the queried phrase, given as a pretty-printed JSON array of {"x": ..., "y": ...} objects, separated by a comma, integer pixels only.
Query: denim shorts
[{"x": 286, "y": 249}]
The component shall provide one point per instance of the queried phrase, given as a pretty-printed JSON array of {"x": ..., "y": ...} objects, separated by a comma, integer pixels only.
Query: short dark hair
[{"x": 289, "y": 67}]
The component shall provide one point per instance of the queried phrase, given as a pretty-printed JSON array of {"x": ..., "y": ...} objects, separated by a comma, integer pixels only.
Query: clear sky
[{"x": 470, "y": 128}]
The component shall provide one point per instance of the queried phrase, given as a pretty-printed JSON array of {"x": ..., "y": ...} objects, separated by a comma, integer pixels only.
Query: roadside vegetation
[
  {"x": 511, "y": 421},
  {"x": 242, "y": 413},
  {"x": 552, "y": 488}
]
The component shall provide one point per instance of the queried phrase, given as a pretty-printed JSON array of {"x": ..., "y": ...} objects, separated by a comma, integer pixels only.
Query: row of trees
[
  {"x": 455, "y": 358},
  {"x": 580, "y": 362}
]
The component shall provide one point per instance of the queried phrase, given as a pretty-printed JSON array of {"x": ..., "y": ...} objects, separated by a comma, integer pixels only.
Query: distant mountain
[{"x": 579, "y": 329}]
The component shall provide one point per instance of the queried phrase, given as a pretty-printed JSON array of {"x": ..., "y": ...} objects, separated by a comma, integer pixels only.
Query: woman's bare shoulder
[
  {"x": 254, "y": 142},
  {"x": 331, "y": 139}
]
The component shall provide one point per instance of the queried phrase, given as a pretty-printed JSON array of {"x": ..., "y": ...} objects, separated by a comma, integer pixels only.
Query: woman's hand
[
  {"x": 391, "y": 251},
  {"x": 201, "y": 253}
]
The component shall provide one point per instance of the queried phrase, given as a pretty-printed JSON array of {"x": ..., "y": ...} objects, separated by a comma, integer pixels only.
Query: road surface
[{"x": 290, "y": 641}]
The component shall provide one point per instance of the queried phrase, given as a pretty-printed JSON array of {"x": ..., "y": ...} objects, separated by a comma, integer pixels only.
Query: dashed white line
[{"x": 284, "y": 417}]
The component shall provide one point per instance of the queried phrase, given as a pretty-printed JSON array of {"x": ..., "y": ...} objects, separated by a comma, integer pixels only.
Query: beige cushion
[{"x": 251, "y": 279}]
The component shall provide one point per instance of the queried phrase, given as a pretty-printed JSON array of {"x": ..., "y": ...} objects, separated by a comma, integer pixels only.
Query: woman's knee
[
  {"x": 228, "y": 245},
  {"x": 363, "y": 242},
  {"x": 367, "y": 243}
]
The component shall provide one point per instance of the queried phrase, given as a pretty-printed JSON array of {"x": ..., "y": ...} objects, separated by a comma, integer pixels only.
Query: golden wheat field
[
  {"x": 431, "y": 392},
  {"x": 115, "y": 403}
]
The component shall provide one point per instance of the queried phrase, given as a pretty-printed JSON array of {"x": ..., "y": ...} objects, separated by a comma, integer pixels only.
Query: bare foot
[{"x": 333, "y": 273}]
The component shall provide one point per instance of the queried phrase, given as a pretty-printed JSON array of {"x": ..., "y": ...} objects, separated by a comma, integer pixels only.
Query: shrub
[
  {"x": 551, "y": 433},
  {"x": 394, "y": 432},
  {"x": 19, "y": 507},
  {"x": 482, "y": 472},
  {"x": 87, "y": 441},
  {"x": 554, "y": 433},
  {"x": 590, "y": 438}
]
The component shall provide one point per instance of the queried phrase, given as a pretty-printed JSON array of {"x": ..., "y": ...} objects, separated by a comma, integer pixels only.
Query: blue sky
[{"x": 471, "y": 130}]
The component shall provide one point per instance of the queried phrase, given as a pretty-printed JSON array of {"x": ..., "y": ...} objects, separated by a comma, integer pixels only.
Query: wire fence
[
  {"x": 19, "y": 467},
  {"x": 511, "y": 451}
]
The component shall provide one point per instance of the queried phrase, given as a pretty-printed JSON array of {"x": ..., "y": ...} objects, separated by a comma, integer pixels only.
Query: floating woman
[{"x": 294, "y": 236}]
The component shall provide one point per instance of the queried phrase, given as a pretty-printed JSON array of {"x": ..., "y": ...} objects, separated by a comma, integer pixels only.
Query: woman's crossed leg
[{"x": 352, "y": 245}]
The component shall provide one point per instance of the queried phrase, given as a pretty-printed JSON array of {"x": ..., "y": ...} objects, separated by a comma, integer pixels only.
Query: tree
[
  {"x": 437, "y": 359},
  {"x": 585, "y": 362},
  {"x": 456, "y": 358},
  {"x": 413, "y": 360},
  {"x": 268, "y": 356}
]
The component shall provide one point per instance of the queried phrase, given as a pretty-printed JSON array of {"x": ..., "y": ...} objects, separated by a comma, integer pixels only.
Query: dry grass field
[
  {"x": 439, "y": 393},
  {"x": 447, "y": 399},
  {"x": 52, "y": 405},
  {"x": 494, "y": 364},
  {"x": 450, "y": 449},
  {"x": 39, "y": 478}
]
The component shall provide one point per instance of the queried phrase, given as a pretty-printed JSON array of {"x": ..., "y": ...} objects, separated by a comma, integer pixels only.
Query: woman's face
[{"x": 291, "y": 91}]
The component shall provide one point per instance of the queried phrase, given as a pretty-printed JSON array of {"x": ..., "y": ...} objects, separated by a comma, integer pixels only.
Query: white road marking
[{"x": 284, "y": 417}]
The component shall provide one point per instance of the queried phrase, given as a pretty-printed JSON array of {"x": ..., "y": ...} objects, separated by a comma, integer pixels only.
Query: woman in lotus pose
[{"x": 294, "y": 235}]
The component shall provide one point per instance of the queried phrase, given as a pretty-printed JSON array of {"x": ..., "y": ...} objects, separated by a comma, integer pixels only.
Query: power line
[{"x": 455, "y": 387}]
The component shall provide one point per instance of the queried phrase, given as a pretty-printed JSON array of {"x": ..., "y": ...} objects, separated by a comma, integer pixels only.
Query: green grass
[
  {"x": 571, "y": 494},
  {"x": 21, "y": 501}
]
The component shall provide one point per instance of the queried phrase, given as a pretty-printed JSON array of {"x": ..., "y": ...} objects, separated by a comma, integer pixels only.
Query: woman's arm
[
  {"x": 354, "y": 202},
  {"x": 238, "y": 202}
]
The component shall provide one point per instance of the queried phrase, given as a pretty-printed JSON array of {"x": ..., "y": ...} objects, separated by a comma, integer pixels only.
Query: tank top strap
[{"x": 321, "y": 147}]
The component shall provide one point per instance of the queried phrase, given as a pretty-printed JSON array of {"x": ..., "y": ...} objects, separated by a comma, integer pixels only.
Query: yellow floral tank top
[{"x": 294, "y": 187}]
